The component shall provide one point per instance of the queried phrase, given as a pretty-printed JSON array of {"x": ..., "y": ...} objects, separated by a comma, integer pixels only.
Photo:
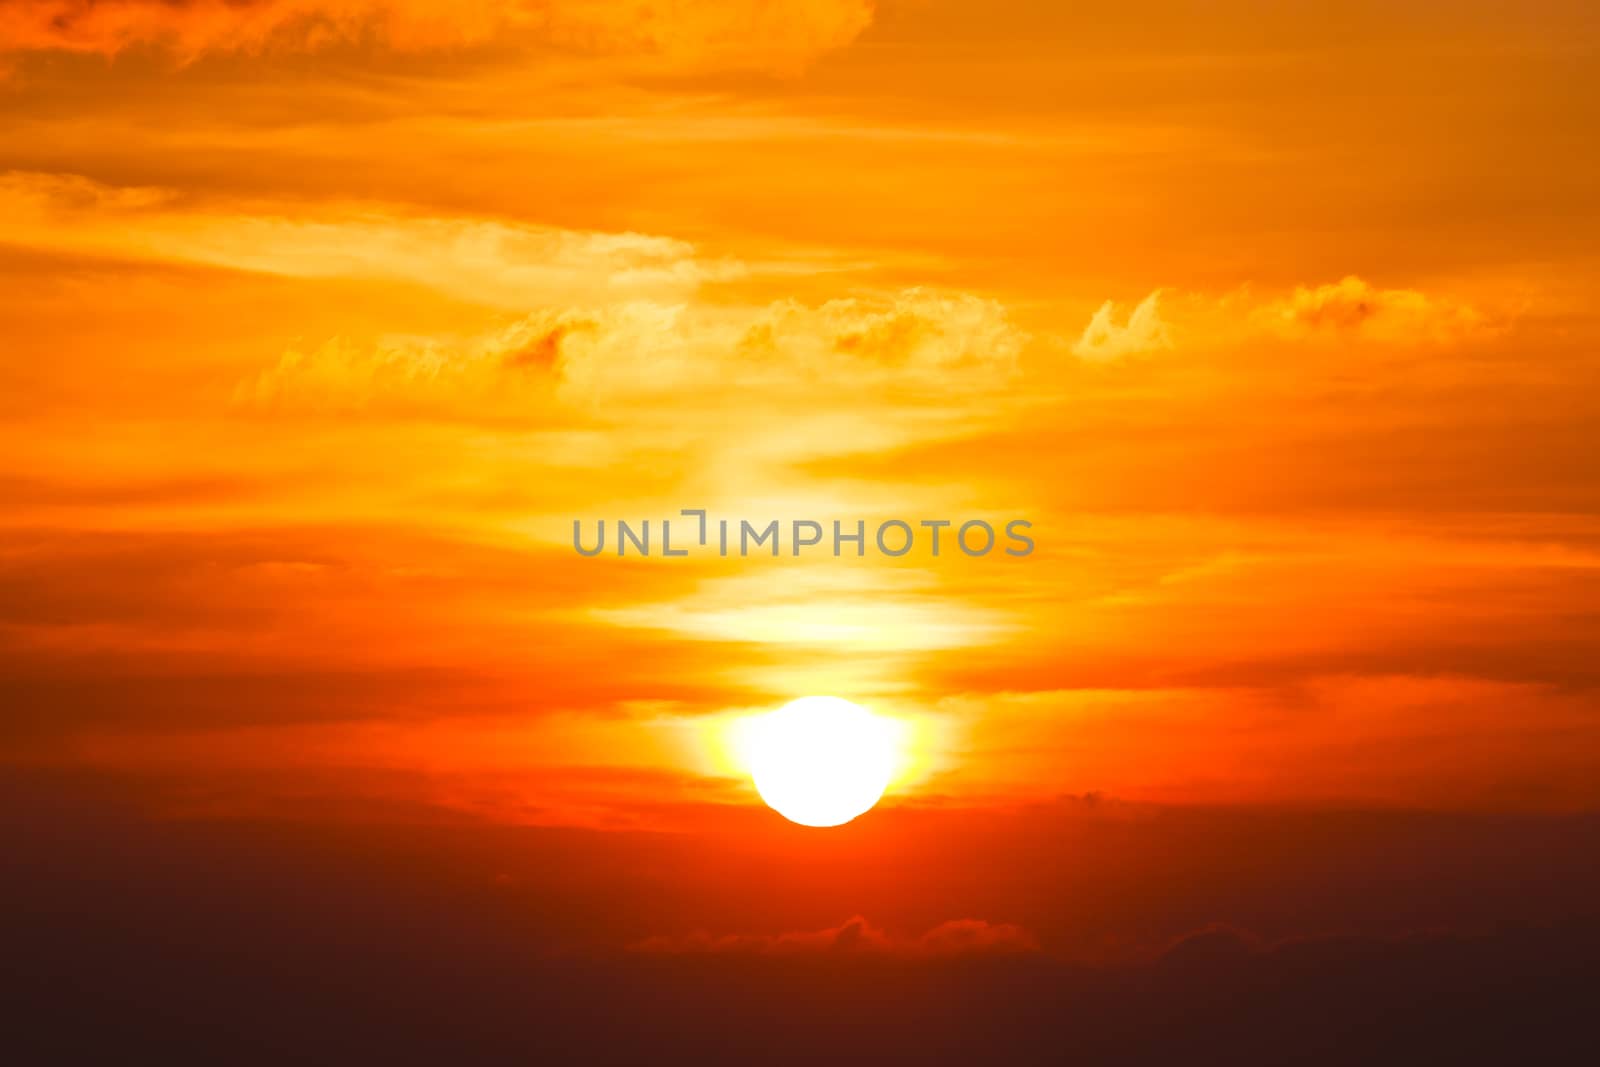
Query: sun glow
[{"x": 821, "y": 761}]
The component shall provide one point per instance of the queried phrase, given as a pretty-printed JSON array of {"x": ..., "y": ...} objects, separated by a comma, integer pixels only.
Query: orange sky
[{"x": 321, "y": 320}]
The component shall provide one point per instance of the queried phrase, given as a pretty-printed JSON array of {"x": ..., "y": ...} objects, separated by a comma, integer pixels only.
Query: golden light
[{"x": 821, "y": 761}]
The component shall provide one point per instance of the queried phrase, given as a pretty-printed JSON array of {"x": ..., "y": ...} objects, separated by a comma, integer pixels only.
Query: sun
[{"x": 821, "y": 761}]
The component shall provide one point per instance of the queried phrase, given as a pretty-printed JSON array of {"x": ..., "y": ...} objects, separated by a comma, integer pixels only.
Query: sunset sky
[{"x": 321, "y": 321}]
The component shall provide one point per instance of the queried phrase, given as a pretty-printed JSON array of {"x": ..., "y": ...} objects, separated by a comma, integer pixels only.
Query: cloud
[
  {"x": 611, "y": 315},
  {"x": 856, "y": 936},
  {"x": 189, "y": 30},
  {"x": 1217, "y": 945},
  {"x": 915, "y": 339},
  {"x": 1349, "y": 309},
  {"x": 505, "y": 264},
  {"x": 36, "y": 196},
  {"x": 911, "y": 340},
  {"x": 505, "y": 371},
  {"x": 486, "y": 945},
  {"x": 970, "y": 937},
  {"x": 917, "y": 328},
  {"x": 742, "y": 34},
  {"x": 1143, "y": 331},
  {"x": 1354, "y": 307}
]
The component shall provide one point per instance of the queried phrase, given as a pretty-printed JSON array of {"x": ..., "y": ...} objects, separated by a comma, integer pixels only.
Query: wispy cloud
[
  {"x": 738, "y": 34},
  {"x": 1351, "y": 309}
]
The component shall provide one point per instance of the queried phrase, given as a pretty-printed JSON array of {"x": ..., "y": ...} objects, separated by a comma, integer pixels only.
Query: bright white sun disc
[{"x": 821, "y": 761}]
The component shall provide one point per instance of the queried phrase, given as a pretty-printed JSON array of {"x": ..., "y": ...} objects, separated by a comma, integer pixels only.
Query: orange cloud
[
  {"x": 1355, "y": 307},
  {"x": 1351, "y": 308},
  {"x": 506, "y": 371},
  {"x": 783, "y": 33},
  {"x": 193, "y": 29},
  {"x": 1143, "y": 331},
  {"x": 944, "y": 342},
  {"x": 640, "y": 350}
]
